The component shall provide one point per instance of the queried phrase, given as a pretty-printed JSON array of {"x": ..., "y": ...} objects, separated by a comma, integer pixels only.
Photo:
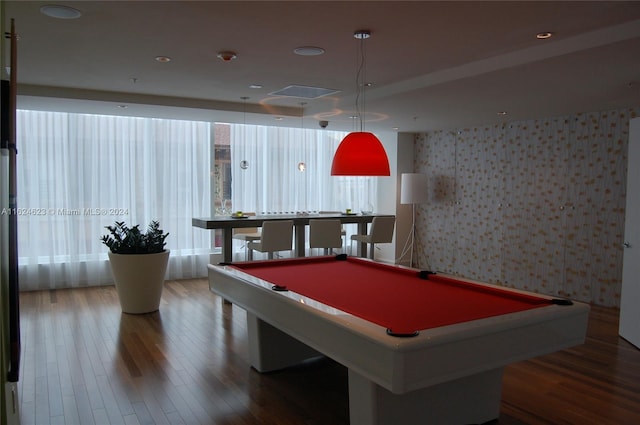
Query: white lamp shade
[{"x": 413, "y": 188}]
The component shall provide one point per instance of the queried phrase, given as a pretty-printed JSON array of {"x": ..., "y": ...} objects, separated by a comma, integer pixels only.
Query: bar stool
[
  {"x": 343, "y": 233},
  {"x": 276, "y": 236},
  {"x": 381, "y": 232},
  {"x": 246, "y": 235},
  {"x": 325, "y": 234}
]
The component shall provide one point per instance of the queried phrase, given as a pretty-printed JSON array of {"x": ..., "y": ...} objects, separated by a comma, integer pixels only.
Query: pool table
[{"x": 420, "y": 347}]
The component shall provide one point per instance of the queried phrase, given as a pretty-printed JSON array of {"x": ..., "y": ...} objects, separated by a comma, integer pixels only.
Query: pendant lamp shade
[{"x": 360, "y": 154}]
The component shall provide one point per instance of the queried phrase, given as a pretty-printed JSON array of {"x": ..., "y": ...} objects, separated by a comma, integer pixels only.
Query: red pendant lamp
[{"x": 360, "y": 153}]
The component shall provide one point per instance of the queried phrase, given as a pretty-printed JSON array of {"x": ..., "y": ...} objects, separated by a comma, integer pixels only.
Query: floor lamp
[{"x": 413, "y": 190}]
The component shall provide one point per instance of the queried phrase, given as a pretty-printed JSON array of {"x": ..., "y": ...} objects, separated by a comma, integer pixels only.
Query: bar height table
[{"x": 300, "y": 221}]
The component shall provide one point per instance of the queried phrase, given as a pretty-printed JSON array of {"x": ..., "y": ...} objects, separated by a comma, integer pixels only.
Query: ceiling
[{"x": 431, "y": 65}]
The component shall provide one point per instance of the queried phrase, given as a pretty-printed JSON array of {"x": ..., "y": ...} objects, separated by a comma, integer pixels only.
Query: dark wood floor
[{"x": 84, "y": 362}]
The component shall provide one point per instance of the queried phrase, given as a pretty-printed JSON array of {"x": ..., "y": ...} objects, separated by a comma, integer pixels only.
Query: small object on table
[{"x": 238, "y": 213}]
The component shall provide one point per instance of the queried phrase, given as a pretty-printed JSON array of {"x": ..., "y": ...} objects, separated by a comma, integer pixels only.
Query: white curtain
[
  {"x": 78, "y": 173},
  {"x": 288, "y": 170}
]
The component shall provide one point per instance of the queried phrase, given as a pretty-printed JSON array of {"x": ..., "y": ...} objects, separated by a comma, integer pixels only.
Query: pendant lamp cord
[{"x": 361, "y": 77}]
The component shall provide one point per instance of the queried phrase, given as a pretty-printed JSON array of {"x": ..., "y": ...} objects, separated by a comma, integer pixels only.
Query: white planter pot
[{"x": 139, "y": 280}]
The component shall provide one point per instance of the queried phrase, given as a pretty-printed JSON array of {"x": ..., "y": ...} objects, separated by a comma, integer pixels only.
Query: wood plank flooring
[{"x": 84, "y": 362}]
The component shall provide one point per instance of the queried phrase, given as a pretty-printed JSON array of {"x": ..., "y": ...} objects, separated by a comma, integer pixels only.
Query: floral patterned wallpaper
[{"x": 535, "y": 205}]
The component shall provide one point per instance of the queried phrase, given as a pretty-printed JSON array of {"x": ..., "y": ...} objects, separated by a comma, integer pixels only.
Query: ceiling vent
[{"x": 304, "y": 92}]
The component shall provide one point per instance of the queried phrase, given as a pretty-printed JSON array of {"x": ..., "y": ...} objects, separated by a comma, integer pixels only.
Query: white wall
[
  {"x": 404, "y": 213},
  {"x": 387, "y": 191}
]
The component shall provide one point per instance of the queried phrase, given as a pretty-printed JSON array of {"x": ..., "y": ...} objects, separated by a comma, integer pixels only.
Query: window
[{"x": 78, "y": 173}]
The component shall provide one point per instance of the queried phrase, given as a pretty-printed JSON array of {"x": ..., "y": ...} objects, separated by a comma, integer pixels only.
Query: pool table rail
[{"x": 401, "y": 365}]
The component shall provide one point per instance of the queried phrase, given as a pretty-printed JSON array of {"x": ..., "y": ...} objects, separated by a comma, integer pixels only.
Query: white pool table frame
[{"x": 447, "y": 375}]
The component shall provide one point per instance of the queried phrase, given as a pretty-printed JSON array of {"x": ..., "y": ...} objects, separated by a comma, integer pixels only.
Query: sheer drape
[
  {"x": 79, "y": 173},
  {"x": 287, "y": 170},
  {"x": 272, "y": 180}
]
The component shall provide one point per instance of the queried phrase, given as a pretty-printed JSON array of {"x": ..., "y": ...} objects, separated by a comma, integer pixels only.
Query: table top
[
  {"x": 228, "y": 221},
  {"x": 402, "y": 300}
]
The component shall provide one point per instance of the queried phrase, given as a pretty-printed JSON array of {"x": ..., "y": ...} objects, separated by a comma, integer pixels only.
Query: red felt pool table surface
[{"x": 396, "y": 298}]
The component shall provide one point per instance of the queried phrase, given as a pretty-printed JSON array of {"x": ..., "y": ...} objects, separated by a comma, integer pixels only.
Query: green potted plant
[{"x": 138, "y": 263}]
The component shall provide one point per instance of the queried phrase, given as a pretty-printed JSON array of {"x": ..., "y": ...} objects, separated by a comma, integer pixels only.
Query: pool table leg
[
  {"x": 271, "y": 349},
  {"x": 470, "y": 400}
]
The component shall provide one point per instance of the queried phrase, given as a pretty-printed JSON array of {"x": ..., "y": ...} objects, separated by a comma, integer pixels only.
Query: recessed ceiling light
[
  {"x": 255, "y": 86},
  {"x": 544, "y": 35},
  {"x": 502, "y": 113},
  {"x": 122, "y": 106},
  {"x": 163, "y": 58},
  {"x": 60, "y": 12},
  {"x": 308, "y": 51}
]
